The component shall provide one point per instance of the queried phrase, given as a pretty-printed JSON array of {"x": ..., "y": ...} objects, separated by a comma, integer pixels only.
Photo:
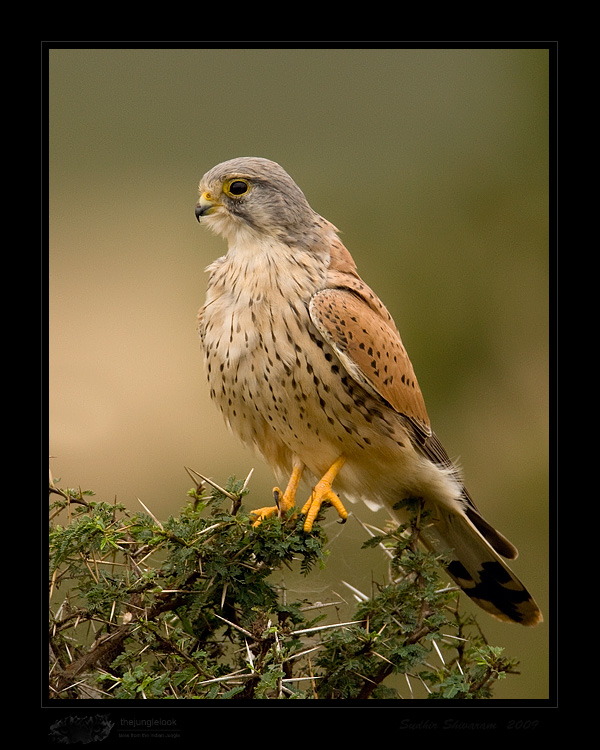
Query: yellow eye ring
[{"x": 236, "y": 187}]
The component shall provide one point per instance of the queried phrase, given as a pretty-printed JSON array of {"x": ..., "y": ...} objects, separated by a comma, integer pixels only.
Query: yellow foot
[
  {"x": 283, "y": 502},
  {"x": 323, "y": 493}
]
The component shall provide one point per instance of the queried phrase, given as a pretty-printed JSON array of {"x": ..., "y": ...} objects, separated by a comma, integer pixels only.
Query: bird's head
[{"x": 255, "y": 197}]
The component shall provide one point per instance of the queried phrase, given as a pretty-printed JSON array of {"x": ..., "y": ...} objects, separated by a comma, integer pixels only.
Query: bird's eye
[{"x": 236, "y": 188}]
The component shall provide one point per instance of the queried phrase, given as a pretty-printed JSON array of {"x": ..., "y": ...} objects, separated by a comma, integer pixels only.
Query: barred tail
[{"x": 478, "y": 568}]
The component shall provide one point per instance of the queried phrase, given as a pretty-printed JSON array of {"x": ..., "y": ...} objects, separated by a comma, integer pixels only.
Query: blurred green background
[{"x": 434, "y": 165}]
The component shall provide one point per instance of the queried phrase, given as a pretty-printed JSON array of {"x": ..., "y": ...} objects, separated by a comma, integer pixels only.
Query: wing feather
[{"x": 356, "y": 324}]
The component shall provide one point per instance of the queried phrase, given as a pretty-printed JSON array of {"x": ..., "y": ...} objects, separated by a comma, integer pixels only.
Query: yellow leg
[
  {"x": 283, "y": 502},
  {"x": 323, "y": 493}
]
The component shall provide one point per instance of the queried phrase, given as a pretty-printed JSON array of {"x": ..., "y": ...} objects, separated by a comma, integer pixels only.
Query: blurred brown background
[{"x": 433, "y": 164}]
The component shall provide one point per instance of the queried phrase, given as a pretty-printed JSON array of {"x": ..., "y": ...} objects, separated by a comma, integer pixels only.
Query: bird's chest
[
  {"x": 248, "y": 342},
  {"x": 261, "y": 351}
]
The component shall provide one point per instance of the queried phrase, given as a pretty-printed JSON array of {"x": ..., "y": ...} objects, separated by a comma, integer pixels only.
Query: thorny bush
[{"x": 187, "y": 608}]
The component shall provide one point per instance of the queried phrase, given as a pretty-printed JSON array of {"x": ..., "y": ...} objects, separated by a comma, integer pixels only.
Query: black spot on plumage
[
  {"x": 491, "y": 587},
  {"x": 458, "y": 570}
]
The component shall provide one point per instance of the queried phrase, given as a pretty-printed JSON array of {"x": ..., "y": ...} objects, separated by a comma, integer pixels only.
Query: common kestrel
[{"x": 307, "y": 365}]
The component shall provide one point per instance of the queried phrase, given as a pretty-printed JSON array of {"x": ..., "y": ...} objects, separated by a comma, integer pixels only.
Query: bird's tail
[{"x": 473, "y": 548}]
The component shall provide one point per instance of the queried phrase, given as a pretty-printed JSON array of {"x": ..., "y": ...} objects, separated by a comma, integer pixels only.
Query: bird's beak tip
[{"x": 204, "y": 207}]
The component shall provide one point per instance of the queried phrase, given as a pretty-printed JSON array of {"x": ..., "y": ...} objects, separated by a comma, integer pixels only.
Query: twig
[
  {"x": 326, "y": 627},
  {"x": 302, "y": 653},
  {"x": 151, "y": 514},
  {"x": 237, "y": 627},
  {"x": 358, "y": 594},
  {"x": 368, "y": 528},
  {"x": 212, "y": 484},
  {"x": 233, "y": 676}
]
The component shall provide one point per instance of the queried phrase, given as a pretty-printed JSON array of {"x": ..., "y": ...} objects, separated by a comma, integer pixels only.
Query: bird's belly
[{"x": 283, "y": 389}]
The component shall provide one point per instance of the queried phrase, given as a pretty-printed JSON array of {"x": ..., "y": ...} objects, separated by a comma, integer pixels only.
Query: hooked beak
[{"x": 205, "y": 206}]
